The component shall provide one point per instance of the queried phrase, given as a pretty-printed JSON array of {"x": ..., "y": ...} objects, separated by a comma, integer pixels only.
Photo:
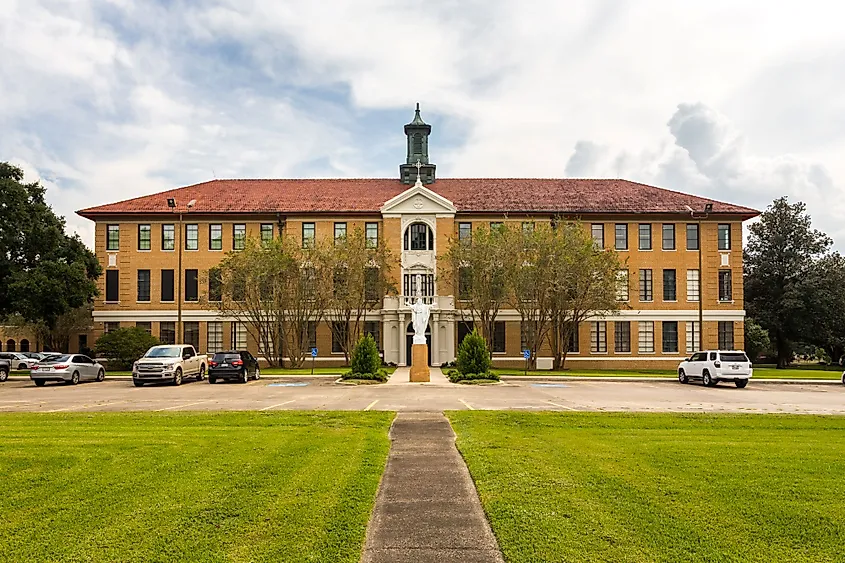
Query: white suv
[{"x": 714, "y": 366}]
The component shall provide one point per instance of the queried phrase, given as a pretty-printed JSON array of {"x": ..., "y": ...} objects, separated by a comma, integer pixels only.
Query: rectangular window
[
  {"x": 621, "y": 236},
  {"x": 373, "y": 328},
  {"x": 215, "y": 237},
  {"x": 692, "y": 236},
  {"x": 110, "y": 326},
  {"x": 215, "y": 285},
  {"x": 528, "y": 226},
  {"x": 339, "y": 231},
  {"x": 726, "y": 335},
  {"x": 598, "y": 337},
  {"x": 112, "y": 237},
  {"x": 575, "y": 339},
  {"x": 339, "y": 330},
  {"x": 622, "y": 285},
  {"x": 645, "y": 337},
  {"x": 464, "y": 330},
  {"x": 464, "y": 232},
  {"x": 495, "y": 225},
  {"x": 597, "y": 230},
  {"x": 372, "y": 284},
  {"x": 526, "y": 335},
  {"x": 192, "y": 237},
  {"x": 410, "y": 285},
  {"x": 499, "y": 337},
  {"x": 214, "y": 337},
  {"x": 371, "y": 231},
  {"x": 724, "y": 237},
  {"x": 167, "y": 291},
  {"x": 669, "y": 237},
  {"x": 144, "y": 237},
  {"x": 143, "y": 285},
  {"x": 693, "y": 285},
  {"x": 693, "y": 336},
  {"x": 266, "y": 233},
  {"x": 622, "y": 336},
  {"x": 239, "y": 333},
  {"x": 725, "y": 286},
  {"x": 646, "y": 286},
  {"x": 670, "y": 337},
  {"x": 464, "y": 283},
  {"x": 308, "y": 235},
  {"x": 310, "y": 339},
  {"x": 645, "y": 237},
  {"x": 191, "y": 285},
  {"x": 670, "y": 292},
  {"x": 168, "y": 237},
  {"x": 239, "y": 237},
  {"x": 167, "y": 332},
  {"x": 192, "y": 334},
  {"x": 145, "y": 326},
  {"x": 112, "y": 286}
]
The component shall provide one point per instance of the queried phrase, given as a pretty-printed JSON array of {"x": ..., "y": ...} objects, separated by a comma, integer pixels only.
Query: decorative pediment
[{"x": 418, "y": 200}]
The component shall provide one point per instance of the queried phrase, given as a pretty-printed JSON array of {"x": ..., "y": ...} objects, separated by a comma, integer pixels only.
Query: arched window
[
  {"x": 24, "y": 345},
  {"x": 419, "y": 237},
  {"x": 10, "y": 345}
]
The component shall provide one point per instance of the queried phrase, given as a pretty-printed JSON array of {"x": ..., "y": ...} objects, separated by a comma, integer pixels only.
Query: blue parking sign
[
  {"x": 526, "y": 354},
  {"x": 313, "y": 352}
]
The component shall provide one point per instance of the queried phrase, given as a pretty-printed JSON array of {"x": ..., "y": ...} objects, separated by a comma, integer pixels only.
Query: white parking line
[
  {"x": 467, "y": 405},
  {"x": 82, "y": 407},
  {"x": 371, "y": 405},
  {"x": 561, "y": 406},
  {"x": 274, "y": 406},
  {"x": 180, "y": 406}
]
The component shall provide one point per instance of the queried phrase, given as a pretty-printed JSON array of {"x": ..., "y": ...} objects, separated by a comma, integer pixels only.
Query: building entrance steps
[
  {"x": 427, "y": 508},
  {"x": 403, "y": 376}
]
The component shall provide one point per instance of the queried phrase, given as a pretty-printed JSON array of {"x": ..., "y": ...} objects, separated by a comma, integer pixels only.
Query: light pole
[
  {"x": 708, "y": 208},
  {"x": 171, "y": 203}
]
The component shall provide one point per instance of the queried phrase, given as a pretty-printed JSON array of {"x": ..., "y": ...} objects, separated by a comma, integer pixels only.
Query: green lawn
[
  {"x": 189, "y": 487},
  {"x": 759, "y": 372},
  {"x": 625, "y": 488}
]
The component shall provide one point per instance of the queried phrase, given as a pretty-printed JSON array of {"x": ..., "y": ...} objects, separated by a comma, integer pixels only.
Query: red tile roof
[{"x": 479, "y": 195}]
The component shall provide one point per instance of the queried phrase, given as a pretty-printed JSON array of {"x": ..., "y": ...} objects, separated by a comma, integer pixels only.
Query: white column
[
  {"x": 435, "y": 339},
  {"x": 403, "y": 351}
]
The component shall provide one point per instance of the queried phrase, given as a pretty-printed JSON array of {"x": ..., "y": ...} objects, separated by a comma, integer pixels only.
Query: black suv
[{"x": 240, "y": 365}]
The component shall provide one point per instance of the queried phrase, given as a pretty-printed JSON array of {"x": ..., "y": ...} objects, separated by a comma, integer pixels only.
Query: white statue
[{"x": 421, "y": 312}]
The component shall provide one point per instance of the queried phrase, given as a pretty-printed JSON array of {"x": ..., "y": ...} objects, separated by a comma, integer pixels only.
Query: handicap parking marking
[{"x": 297, "y": 384}]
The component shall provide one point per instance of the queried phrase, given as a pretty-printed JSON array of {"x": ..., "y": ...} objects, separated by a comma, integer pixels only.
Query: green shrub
[
  {"x": 365, "y": 356},
  {"x": 380, "y": 375},
  {"x": 456, "y": 377},
  {"x": 473, "y": 355},
  {"x": 124, "y": 345}
]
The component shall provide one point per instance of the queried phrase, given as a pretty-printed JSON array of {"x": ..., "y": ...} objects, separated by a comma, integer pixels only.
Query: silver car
[
  {"x": 18, "y": 360},
  {"x": 71, "y": 368}
]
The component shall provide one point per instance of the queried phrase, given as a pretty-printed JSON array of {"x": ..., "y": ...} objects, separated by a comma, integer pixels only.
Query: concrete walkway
[
  {"x": 427, "y": 509},
  {"x": 402, "y": 376}
]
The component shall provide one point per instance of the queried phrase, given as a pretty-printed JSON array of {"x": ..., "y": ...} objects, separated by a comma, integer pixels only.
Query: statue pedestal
[{"x": 419, "y": 364}]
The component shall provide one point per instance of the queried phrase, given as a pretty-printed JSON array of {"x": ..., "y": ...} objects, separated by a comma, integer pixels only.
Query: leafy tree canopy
[{"x": 125, "y": 345}]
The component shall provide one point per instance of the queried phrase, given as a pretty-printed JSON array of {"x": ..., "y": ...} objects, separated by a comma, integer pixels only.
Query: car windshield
[
  {"x": 220, "y": 357},
  {"x": 164, "y": 352},
  {"x": 733, "y": 357},
  {"x": 56, "y": 359}
]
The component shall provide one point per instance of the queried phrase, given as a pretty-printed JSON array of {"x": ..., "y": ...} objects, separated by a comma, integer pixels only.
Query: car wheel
[
  {"x": 101, "y": 375},
  {"x": 138, "y": 383},
  {"x": 177, "y": 377},
  {"x": 212, "y": 379},
  {"x": 4, "y": 375},
  {"x": 39, "y": 382},
  {"x": 682, "y": 376},
  {"x": 21, "y": 367},
  {"x": 257, "y": 373},
  {"x": 74, "y": 379},
  {"x": 201, "y": 375},
  {"x": 843, "y": 378},
  {"x": 707, "y": 380},
  {"x": 245, "y": 376},
  {"x": 741, "y": 383}
]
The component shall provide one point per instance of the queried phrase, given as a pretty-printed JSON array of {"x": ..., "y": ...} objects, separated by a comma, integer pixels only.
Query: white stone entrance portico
[{"x": 418, "y": 209}]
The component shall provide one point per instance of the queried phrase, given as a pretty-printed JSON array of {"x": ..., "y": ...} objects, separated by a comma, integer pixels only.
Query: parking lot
[{"x": 322, "y": 393}]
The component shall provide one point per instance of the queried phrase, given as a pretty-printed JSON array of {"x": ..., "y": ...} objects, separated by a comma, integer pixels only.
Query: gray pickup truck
[{"x": 5, "y": 368}]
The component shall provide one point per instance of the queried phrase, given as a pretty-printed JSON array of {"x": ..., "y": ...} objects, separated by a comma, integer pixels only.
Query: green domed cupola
[{"x": 417, "y": 132}]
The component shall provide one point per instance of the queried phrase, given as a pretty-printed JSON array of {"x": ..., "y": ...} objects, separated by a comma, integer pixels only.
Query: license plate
[
  {"x": 734, "y": 367},
  {"x": 224, "y": 365}
]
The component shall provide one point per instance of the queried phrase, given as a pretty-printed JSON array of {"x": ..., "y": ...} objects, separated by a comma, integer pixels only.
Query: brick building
[{"x": 654, "y": 229}]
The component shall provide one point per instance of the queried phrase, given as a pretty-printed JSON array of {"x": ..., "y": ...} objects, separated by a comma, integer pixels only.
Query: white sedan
[{"x": 70, "y": 368}]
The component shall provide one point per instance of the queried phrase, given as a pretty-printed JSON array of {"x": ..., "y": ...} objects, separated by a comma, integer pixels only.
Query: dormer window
[{"x": 419, "y": 237}]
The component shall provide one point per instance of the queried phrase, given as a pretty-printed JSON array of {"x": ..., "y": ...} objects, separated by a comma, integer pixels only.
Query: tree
[
  {"x": 57, "y": 338},
  {"x": 360, "y": 280},
  {"x": 473, "y": 355},
  {"x": 585, "y": 285},
  {"x": 782, "y": 251},
  {"x": 824, "y": 288},
  {"x": 756, "y": 339},
  {"x": 44, "y": 273},
  {"x": 278, "y": 290},
  {"x": 476, "y": 269},
  {"x": 125, "y": 345},
  {"x": 365, "y": 356}
]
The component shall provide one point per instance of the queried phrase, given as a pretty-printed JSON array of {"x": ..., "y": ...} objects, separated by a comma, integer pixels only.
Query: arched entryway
[
  {"x": 409, "y": 341},
  {"x": 24, "y": 345},
  {"x": 10, "y": 346}
]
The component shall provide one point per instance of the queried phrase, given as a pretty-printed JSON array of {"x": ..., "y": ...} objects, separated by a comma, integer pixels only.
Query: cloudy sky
[{"x": 110, "y": 99}]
